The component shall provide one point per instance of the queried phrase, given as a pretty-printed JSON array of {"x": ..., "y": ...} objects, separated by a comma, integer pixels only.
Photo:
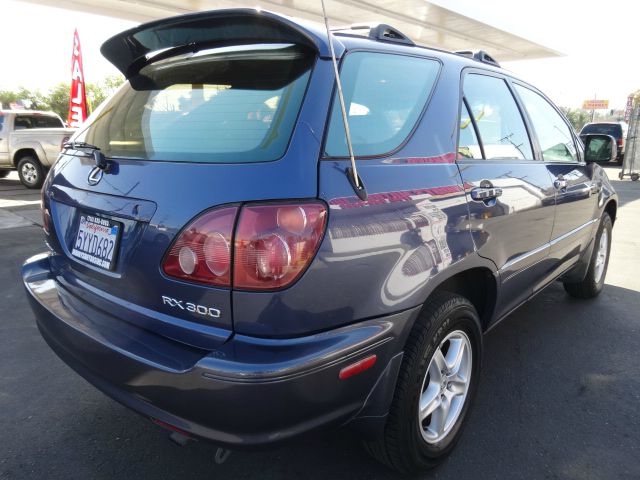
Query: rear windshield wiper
[
  {"x": 76, "y": 145},
  {"x": 98, "y": 156}
]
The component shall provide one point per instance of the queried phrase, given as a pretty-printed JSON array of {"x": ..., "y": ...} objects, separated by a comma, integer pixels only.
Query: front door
[
  {"x": 511, "y": 195},
  {"x": 576, "y": 191}
]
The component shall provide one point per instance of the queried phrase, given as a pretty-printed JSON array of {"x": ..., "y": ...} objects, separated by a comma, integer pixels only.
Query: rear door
[
  {"x": 510, "y": 193},
  {"x": 576, "y": 191}
]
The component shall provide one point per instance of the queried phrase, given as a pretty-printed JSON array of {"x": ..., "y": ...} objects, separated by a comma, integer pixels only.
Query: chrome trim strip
[
  {"x": 572, "y": 232},
  {"x": 539, "y": 249},
  {"x": 524, "y": 256}
]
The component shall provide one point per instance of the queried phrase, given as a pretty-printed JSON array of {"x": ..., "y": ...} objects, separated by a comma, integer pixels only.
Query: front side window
[
  {"x": 235, "y": 104},
  {"x": 384, "y": 97},
  {"x": 554, "y": 135},
  {"x": 500, "y": 124}
]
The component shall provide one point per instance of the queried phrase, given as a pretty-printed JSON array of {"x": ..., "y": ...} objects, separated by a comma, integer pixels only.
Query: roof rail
[
  {"x": 480, "y": 56},
  {"x": 377, "y": 31}
]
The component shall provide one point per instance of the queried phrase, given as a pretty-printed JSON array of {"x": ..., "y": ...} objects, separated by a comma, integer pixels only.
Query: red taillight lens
[
  {"x": 275, "y": 243},
  {"x": 202, "y": 252},
  {"x": 620, "y": 141}
]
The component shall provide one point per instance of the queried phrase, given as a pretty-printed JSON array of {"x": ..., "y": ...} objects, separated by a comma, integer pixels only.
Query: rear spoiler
[{"x": 238, "y": 26}]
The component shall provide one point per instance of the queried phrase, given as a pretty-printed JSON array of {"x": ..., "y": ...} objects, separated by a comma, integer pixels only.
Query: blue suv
[{"x": 215, "y": 264}]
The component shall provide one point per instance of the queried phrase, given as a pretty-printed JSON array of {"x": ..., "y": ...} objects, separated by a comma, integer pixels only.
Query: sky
[{"x": 597, "y": 40}]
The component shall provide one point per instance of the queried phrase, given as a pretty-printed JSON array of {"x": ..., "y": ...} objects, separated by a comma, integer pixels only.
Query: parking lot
[{"x": 559, "y": 397}]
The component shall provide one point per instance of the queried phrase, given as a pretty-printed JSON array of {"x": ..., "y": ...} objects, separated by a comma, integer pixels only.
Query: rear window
[
  {"x": 22, "y": 122},
  {"x": 384, "y": 97},
  {"x": 603, "y": 128},
  {"x": 225, "y": 105}
]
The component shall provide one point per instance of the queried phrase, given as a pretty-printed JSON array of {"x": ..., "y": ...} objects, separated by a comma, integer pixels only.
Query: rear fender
[{"x": 20, "y": 149}]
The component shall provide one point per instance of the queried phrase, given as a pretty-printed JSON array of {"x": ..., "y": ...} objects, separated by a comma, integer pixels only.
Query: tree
[
  {"x": 578, "y": 117},
  {"x": 57, "y": 98}
]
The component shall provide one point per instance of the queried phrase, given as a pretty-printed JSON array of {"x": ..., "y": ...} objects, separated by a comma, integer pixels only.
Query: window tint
[
  {"x": 500, "y": 125},
  {"x": 235, "y": 104},
  {"x": 604, "y": 128},
  {"x": 468, "y": 145},
  {"x": 36, "y": 121},
  {"x": 1, "y": 121},
  {"x": 554, "y": 135},
  {"x": 384, "y": 96}
]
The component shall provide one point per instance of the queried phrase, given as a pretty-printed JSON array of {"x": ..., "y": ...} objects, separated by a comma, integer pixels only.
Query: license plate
[{"x": 97, "y": 241}]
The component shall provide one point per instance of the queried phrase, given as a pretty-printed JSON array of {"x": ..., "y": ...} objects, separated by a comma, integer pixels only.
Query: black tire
[
  {"x": 402, "y": 446},
  {"x": 4, "y": 173},
  {"x": 30, "y": 172},
  {"x": 591, "y": 286}
]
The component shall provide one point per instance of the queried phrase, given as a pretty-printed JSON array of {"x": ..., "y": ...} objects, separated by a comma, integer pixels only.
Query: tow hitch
[{"x": 182, "y": 438}]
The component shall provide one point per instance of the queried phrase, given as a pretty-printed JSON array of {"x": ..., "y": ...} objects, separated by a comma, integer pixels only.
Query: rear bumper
[{"x": 247, "y": 392}]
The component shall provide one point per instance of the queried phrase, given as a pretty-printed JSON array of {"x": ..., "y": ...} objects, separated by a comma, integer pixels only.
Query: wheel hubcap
[
  {"x": 445, "y": 387},
  {"x": 601, "y": 255},
  {"x": 29, "y": 173}
]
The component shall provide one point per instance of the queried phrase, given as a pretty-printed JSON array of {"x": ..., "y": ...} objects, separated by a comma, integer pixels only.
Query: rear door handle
[
  {"x": 482, "y": 194},
  {"x": 560, "y": 183}
]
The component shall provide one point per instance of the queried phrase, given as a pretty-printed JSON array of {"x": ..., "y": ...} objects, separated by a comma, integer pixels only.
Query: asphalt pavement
[{"x": 559, "y": 397}]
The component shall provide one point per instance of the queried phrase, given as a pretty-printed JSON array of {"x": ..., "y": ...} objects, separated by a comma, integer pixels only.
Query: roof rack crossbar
[{"x": 378, "y": 31}]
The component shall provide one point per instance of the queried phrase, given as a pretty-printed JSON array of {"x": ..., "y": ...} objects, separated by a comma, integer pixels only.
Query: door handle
[
  {"x": 560, "y": 183},
  {"x": 482, "y": 194}
]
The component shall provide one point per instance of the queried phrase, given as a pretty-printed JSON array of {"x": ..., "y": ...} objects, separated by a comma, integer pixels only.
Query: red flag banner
[{"x": 78, "y": 97}]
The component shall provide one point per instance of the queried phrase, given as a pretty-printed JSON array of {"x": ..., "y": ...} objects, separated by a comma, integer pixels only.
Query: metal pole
[{"x": 356, "y": 180}]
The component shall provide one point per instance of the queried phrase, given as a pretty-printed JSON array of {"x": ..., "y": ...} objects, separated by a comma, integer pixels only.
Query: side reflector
[
  {"x": 170, "y": 427},
  {"x": 358, "y": 367}
]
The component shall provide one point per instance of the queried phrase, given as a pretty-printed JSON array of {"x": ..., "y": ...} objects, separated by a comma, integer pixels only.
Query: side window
[
  {"x": 468, "y": 145},
  {"x": 500, "y": 124},
  {"x": 384, "y": 96},
  {"x": 21, "y": 123},
  {"x": 554, "y": 135}
]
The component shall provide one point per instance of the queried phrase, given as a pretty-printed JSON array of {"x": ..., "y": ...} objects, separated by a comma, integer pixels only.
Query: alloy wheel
[{"x": 445, "y": 387}]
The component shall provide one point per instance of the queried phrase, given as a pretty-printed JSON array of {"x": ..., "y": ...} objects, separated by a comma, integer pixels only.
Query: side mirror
[{"x": 599, "y": 148}]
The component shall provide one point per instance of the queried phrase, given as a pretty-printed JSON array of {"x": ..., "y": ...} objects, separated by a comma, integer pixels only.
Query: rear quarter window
[{"x": 384, "y": 97}]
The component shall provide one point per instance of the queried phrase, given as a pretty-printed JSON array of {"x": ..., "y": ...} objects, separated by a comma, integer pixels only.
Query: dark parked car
[
  {"x": 214, "y": 265},
  {"x": 615, "y": 129}
]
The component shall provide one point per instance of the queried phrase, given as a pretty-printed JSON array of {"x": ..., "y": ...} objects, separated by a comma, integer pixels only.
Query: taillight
[
  {"x": 202, "y": 252},
  {"x": 275, "y": 243},
  {"x": 620, "y": 141},
  {"x": 271, "y": 247}
]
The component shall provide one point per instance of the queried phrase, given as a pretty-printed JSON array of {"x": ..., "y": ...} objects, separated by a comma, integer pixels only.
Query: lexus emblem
[{"x": 95, "y": 175}]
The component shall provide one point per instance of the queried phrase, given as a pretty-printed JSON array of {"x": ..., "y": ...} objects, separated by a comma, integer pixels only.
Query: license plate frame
[{"x": 100, "y": 241}]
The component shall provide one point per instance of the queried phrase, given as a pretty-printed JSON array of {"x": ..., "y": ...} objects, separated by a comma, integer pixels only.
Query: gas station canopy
[{"x": 424, "y": 22}]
